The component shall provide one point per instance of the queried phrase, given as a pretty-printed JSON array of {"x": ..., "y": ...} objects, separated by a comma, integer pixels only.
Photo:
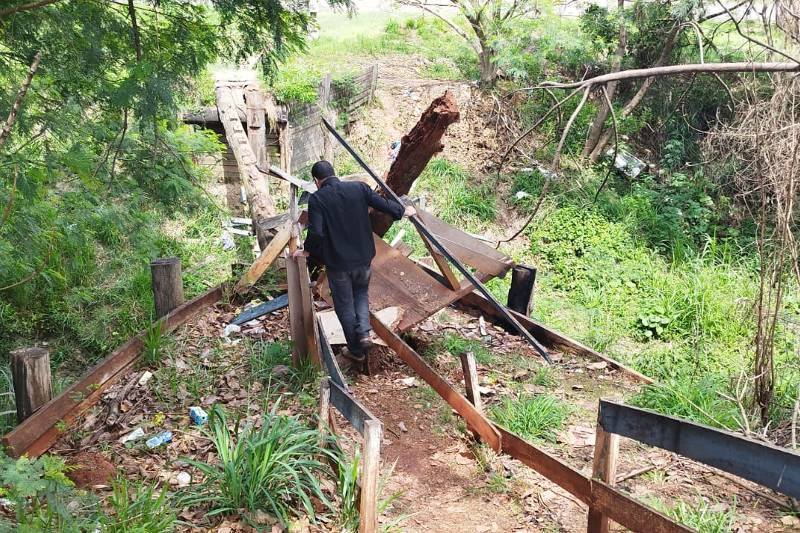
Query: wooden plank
[
  {"x": 475, "y": 420},
  {"x": 296, "y": 326},
  {"x": 763, "y": 463},
  {"x": 470, "y": 370},
  {"x": 466, "y": 248},
  {"x": 550, "y": 467},
  {"x": 451, "y": 281},
  {"x": 630, "y": 513},
  {"x": 307, "y": 301},
  {"x": 370, "y": 475},
  {"x": 307, "y": 186},
  {"x": 326, "y": 354},
  {"x": 551, "y": 338},
  {"x": 399, "y": 282},
  {"x": 351, "y": 409},
  {"x": 38, "y": 433},
  {"x": 267, "y": 257},
  {"x": 606, "y": 451}
]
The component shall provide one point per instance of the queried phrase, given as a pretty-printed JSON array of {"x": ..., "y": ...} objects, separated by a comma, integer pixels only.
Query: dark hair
[{"x": 322, "y": 169}]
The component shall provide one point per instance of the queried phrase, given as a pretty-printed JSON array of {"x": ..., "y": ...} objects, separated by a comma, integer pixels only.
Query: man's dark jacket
[{"x": 339, "y": 230}]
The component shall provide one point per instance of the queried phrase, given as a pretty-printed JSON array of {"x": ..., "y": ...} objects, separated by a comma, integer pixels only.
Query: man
[{"x": 339, "y": 233}]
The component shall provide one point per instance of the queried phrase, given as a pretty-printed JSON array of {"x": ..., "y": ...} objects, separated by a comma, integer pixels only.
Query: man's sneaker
[
  {"x": 352, "y": 356},
  {"x": 366, "y": 344}
]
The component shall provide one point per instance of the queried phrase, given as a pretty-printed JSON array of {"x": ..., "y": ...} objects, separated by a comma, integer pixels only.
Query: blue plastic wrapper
[{"x": 158, "y": 440}]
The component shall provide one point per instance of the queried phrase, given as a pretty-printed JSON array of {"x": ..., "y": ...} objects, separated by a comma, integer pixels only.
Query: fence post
[
  {"x": 33, "y": 384},
  {"x": 606, "y": 450},
  {"x": 520, "y": 295},
  {"x": 370, "y": 474},
  {"x": 167, "y": 285}
]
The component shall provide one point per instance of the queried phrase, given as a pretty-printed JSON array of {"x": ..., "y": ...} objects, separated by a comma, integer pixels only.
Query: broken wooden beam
[
  {"x": 423, "y": 230},
  {"x": 267, "y": 257},
  {"x": 475, "y": 420},
  {"x": 32, "y": 380},
  {"x": 258, "y": 195},
  {"x": 416, "y": 150}
]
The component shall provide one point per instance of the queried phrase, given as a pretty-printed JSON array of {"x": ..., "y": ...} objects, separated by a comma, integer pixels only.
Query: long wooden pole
[{"x": 433, "y": 240}]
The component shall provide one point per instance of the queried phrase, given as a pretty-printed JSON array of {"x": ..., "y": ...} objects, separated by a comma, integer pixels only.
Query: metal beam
[{"x": 763, "y": 463}]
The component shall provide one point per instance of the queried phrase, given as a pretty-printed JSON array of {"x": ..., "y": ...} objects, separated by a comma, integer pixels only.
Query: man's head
[{"x": 322, "y": 170}]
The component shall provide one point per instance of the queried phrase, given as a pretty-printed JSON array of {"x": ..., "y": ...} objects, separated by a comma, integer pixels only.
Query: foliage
[
  {"x": 701, "y": 516},
  {"x": 296, "y": 87},
  {"x": 274, "y": 467},
  {"x": 536, "y": 417},
  {"x": 139, "y": 507},
  {"x": 694, "y": 399},
  {"x": 459, "y": 200},
  {"x": 40, "y": 493}
]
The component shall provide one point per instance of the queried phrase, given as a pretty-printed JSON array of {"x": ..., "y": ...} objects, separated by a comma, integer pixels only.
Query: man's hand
[
  {"x": 299, "y": 253},
  {"x": 410, "y": 211}
]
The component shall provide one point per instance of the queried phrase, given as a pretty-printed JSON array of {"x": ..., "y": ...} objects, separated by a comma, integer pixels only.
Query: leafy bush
[
  {"x": 275, "y": 467},
  {"x": 43, "y": 498}
]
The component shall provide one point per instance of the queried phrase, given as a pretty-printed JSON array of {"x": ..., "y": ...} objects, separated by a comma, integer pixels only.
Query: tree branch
[
  {"x": 18, "y": 103},
  {"x": 26, "y": 7},
  {"x": 10, "y": 198},
  {"x": 671, "y": 70}
]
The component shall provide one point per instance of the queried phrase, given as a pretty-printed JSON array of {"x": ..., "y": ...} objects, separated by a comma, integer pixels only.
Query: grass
[
  {"x": 700, "y": 516},
  {"x": 275, "y": 467},
  {"x": 532, "y": 417}
]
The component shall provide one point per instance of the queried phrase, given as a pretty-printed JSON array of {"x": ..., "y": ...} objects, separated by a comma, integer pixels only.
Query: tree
[
  {"x": 488, "y": 20},
  {"x": 96, "y": 145}
]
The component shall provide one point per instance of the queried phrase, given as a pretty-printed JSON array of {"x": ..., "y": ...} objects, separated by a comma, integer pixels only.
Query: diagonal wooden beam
[
  {"x": 475, "y": 420},
  {"x": 267, "y": 257}
]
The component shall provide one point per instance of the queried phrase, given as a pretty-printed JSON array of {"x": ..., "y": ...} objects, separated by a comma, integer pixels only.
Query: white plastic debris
[
  {"x": 145, "y": 378},
  {"x": 230, "y": 328},
  {"x": 133, "y": 435},
  {"x": 226, "y": 241}
]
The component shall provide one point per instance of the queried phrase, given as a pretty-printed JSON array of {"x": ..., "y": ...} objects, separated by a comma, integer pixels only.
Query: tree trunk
[
  {"x": 255, "y": 183},
  {"x": 416, "y": 150},
  {"x": 597, "y": 126},
  {"x": 639, "y": 96}
]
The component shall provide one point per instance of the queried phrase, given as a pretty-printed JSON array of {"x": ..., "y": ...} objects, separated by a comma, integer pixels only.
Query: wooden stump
[
  {"x": 167, "y": 285},
  {"x": 33, "y": 385},
  {"x": 520, "y": 295}
]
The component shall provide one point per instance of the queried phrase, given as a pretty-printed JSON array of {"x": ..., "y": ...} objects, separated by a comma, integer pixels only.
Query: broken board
[{"x": 399, "y": 282}]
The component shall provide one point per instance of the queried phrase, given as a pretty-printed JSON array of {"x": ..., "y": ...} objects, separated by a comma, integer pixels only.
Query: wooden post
[
  {"x": 256, "y": 130},
  {"x": 370, "y": 474},
  {"x": 167, "y": 285},
  {"x": 324, "y": 405},
  {"x": 471, "y": 380},
  {"x": 30, "y": 374},
  {"x": 520, "y": 295},
  {"x": 606, "y": 450}
]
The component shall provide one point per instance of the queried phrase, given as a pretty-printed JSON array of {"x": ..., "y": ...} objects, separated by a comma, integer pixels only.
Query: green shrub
[
  {"x": 274, "y": 468},
  {"x": 535, "y": 417},
  {"x": 457, "y": 196}
]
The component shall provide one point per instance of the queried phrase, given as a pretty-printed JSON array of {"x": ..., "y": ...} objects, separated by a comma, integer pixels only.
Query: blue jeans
[{"x": 350, "y": 293}]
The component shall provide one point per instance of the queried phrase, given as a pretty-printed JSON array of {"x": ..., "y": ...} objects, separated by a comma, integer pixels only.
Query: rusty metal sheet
[{"x": 398, "y": 282}]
